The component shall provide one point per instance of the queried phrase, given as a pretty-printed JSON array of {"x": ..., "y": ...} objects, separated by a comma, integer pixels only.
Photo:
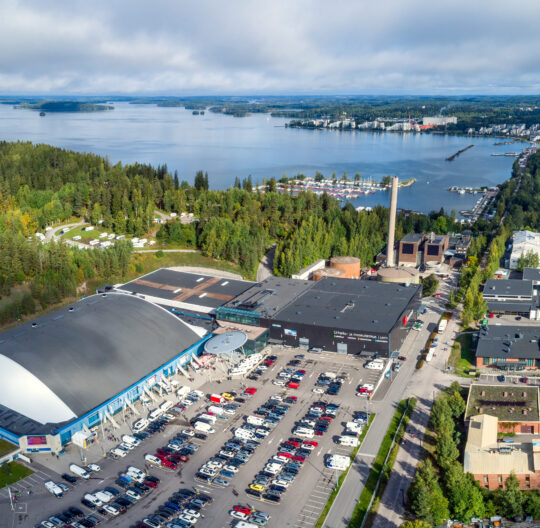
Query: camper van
[
  {"x": 243, "y": 434},
  {"x": 206, "y": 418},
  {"x": 182, "y": 391},
  {"x": 304, "y": 432},
  {"x": 254, "y": 420},
  {"x": 204, "y": 427},
  {"x": 79, "y": 471},
  {"x": 339, "y": 462},
  {"x": 214, "y": 409},
  {"x": 349, "y": 441},
  {"x": 55, "y": 489}
]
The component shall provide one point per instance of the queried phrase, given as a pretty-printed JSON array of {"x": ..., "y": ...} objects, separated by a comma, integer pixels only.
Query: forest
[{"x": 42, "y": 185}]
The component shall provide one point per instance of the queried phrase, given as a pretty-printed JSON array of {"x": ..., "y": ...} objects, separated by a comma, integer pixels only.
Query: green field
[
  {"x": 13, "y": 472},
  {"x": 462, "y": 355},
  {"x": 6, "y": 447},
  {"x": 86, "y": 236}
]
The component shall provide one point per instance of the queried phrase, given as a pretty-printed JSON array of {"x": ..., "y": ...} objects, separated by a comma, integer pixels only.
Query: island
[{"x": 65, "y": 106}]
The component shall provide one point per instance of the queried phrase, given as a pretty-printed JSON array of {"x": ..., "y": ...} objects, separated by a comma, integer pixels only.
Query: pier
[{"x": 458, "y": 153}]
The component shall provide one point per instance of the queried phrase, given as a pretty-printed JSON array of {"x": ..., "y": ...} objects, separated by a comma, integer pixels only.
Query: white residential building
[{"x": 523, "y": 242}]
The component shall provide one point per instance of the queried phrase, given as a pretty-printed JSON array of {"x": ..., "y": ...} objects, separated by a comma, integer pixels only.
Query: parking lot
[{"x": 300, "y": 508}]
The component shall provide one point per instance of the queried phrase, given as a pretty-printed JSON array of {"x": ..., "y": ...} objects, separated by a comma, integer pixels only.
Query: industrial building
[
  {"x": 508, "y": 347},
  {"x": 74, "y": 369},
  {"x": 346, "y": 315}
]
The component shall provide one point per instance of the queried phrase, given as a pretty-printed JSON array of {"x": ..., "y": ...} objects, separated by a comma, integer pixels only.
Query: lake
[{"x": 260, "y": 145}]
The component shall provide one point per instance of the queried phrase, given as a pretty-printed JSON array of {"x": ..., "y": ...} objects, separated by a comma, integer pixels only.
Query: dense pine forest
[{"x": 42, "y": 185}]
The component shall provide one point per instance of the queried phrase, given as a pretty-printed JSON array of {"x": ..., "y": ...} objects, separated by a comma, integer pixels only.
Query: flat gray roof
[
  {"x": 350, "y": 304},
  {"x": 509, "y": 306},
  {"x": 271, "y": 295},
  {"x": 412, "y": 237},
  {"x": 91, "y": 351},
  {"x": 532, "y": 274},
  {"x": 515, "y": 342},
  {"x": 508, "y": 288}
]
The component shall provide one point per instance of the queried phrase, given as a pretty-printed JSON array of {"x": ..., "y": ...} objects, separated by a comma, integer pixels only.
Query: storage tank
[
  {"x": 400, "y": 275},
  {"x": 349, "y": 265},
  {"x": 335, "y": 273}
]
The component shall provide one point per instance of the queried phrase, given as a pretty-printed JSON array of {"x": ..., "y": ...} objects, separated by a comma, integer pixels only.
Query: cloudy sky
[{"x": 181, "y": 47}]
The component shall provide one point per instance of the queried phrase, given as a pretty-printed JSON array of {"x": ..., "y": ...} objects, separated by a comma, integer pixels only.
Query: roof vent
[
  {"x": 34, "y": 324},
  {"x": 298, "y": 313},
  {"x": 374, "y": 321},
  {"x": 104, "y": 295},
  {"x": 71, "y": 308},
  {"x": 336, "y": 317}
]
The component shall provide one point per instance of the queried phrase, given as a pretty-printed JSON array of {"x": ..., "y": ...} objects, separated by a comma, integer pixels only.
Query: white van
[
  {"x": 254, "y": 420},
  {"x": 166, "y": 405},
  {"x": 207, "y": 418},
  {"x": 245, "y": 524},
  {"x": 329, "y": 375},
  {"x": 119, "y": 452},
  {"x": 350, "y": 441},
  {"x": 79, "y": 471},
  {"x": 338, "y": 462},
  {"x": 131, "y": 440},
  {"x": 215, "y": 409},
  {"x": 146, "y": 401},
  {"x": 155, "y": 414},
  {"x": 93, "y": 499},
  {"x": 304, "y": 432},
  {"x": 140, "y": 425},
  {"x": 204, "y": 427}
]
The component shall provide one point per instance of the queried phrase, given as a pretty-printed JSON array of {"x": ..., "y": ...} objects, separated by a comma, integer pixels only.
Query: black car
[
  {"x": 63, "y": 518},
  {"x": 201, "y": 436},
  {"x": 141, "y": 487},
  {"x": 122, "y": 483},
  {"x": 240, "y": 400},
  {"x": 87, "y": 523},
  {"x": 76, "y": 511},
  {"x": 88, "y": 504},
  {"x": 123, "y": 502},
  {"x": 186, "y": 492},
  {"x": 112, "y": 490},
  {"x": 93, "y": 519},
  {"x": 151, "y": 478},
  {"x": 68, "y": 514},
  {"x": 253, "y": 492},
  {"x": 69, "y": 478},
  {"x": 270, "y": 497}
]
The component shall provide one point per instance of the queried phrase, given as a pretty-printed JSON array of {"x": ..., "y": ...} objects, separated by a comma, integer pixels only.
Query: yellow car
[
  {"x": 256, "y": 487},
  {"x": 227, "y": 396}
]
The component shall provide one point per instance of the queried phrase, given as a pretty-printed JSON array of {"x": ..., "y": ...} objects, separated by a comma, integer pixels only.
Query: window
[
  {"x": 485, "y": 361},
  {"x": 93, "y": 419},
  {"x": 530, "y": 362},
  {"x": 486, "y": 480},
  {"x": 407, "y": 249},
  {"x": 433, "y": 250},
  {"x": 499, "y": 479}
]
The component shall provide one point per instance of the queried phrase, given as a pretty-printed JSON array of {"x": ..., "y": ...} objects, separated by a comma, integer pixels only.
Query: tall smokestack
[{"x": 390, "y": 260}]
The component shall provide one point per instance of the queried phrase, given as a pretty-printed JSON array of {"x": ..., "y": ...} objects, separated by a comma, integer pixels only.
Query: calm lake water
[{"x": 259, "y": 145}]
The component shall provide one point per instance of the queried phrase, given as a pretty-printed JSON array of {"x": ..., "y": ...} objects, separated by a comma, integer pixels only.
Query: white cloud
[{"x": 242, "y": 46}]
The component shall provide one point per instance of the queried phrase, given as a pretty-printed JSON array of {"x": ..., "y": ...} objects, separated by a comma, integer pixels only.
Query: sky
[{"x": 198, "y": 47}]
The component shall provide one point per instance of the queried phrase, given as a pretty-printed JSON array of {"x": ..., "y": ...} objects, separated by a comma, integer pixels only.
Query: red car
[
  {"x": 176, "y": 456},
  {"x": 295, "y": 398},
  {"x": 299, "y": 458},
  {"x": 318, "y": 432},
  {"x": 293, "y": 385},
  {"x": 169, "y": 464},
  {"x": 165, "y": 451},
  {"x": 242, "y": 509},
  {"x": 301, "y": 371},
  {"x": 286, "y": 455},
  {"x": 311, "y": 443},
  {"x": 437, "y": 295},
  {"x": 293, "y": 443},
  {"x": 250, "y": 390},
  {"x": 326, "y": 418},
  {"x": 150, "y": 483},
  {"x": 268, "y": 363}
]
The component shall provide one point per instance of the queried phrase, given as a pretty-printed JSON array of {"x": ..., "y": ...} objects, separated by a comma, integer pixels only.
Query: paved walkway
[
  {"x": 392, "y": 504},
  {"x": 266, "y": 266}
]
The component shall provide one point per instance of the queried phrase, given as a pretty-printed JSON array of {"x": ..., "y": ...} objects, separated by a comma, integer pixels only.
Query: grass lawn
[
  {"x": 341, "y": 478},
  {"x": 13, "y": 472},
  {"x": 361, "y": 509},
  {"x": 462, "y": 355},
  {"x": 6, "y": 447}
]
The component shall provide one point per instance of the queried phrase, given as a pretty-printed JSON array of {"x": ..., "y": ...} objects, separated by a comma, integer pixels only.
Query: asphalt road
[{"x": 266, "y": 266}]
